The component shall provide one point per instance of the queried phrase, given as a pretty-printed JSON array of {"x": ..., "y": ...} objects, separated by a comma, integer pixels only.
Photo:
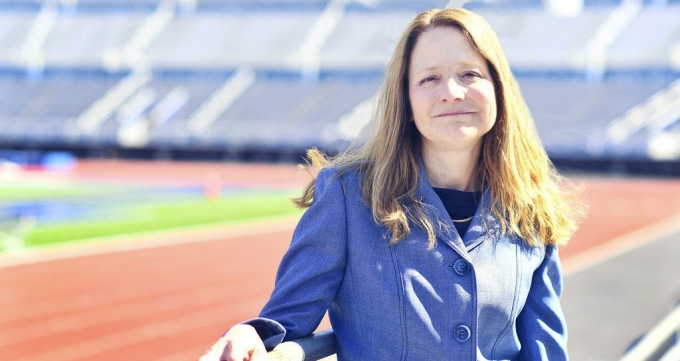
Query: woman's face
[{"x": 451, "y": 91}]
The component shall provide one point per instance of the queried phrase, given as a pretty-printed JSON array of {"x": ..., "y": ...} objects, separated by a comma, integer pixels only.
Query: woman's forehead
[{"x": 441, "y": 46}]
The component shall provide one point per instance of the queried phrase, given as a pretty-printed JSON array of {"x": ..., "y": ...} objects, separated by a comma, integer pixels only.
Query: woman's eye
[
  {"x": 428, "y": 79},
  {"x": 472, "y": 74}
]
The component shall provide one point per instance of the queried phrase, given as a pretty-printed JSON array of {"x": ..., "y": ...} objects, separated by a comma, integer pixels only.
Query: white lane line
[
  {"x": 146, "y": 240},
  {"x": 571, "y": 265},
  {"x": 622, "y": 244}
]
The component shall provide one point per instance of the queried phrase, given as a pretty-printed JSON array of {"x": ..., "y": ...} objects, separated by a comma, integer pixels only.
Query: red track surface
[{"x": 171, "y": 302}]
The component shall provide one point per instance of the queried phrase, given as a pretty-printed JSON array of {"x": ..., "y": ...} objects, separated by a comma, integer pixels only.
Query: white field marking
[
  {"x": 621, "y": 244},
  {"x": 147, "y": 240}
]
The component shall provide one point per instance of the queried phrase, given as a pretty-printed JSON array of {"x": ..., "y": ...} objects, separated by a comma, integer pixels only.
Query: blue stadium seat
[{"x": 290, "y": 106}]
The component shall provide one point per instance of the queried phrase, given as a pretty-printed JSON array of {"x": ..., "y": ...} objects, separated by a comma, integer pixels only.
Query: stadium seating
[
  {"x": 650, "y": 41},
  {"x": 60, "y": 59},
  {"x": 572, "y": 115}
]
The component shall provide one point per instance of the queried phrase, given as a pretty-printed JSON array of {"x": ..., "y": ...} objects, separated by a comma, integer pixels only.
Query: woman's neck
[{"x": 452, "y": 170}]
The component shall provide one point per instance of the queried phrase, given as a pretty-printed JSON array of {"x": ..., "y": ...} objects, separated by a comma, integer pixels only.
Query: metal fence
[{"x": 661, "y": 343}]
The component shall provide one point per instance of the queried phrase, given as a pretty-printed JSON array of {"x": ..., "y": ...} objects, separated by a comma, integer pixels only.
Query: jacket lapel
[
  {"x": 435, "y": 210},
  {"x": 477, "y": 232},
  {"x": 483, "y": 226}
]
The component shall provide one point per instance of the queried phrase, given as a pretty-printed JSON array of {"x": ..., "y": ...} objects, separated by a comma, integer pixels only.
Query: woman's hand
[{"x": 240, "y": 343}]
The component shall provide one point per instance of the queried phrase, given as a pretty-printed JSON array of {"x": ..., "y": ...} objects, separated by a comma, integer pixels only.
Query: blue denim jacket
[{"x": 487, "y": 296}]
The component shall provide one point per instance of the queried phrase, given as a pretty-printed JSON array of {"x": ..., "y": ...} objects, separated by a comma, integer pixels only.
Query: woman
[{"x": 437, "y": 239}]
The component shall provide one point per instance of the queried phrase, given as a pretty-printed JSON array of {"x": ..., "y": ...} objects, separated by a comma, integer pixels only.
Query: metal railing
[{"x": 661, "y": 343}]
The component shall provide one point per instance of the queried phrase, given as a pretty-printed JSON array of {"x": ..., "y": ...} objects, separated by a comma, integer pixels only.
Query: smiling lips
[{"x": 453, "y": 113}]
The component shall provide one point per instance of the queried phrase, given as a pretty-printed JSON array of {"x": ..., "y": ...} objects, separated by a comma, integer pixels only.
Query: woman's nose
[{"x": 452, "y": 91}]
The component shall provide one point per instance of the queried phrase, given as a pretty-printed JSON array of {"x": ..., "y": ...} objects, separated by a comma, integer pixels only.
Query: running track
[{"x": 168, "y": 296}]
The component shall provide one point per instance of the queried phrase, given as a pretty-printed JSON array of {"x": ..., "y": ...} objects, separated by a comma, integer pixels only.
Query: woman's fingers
[
  {"x": 214, "y": 353},
  {"x": 243, "y": 344},
  {"x": 240, "y": 343}
]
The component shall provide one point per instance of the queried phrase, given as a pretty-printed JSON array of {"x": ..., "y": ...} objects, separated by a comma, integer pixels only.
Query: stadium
[
  {"x": 133, "y": 96},
  {"x": 270, "y": 79}
]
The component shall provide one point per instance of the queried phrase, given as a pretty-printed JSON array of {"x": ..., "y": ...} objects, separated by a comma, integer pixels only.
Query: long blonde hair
[{"x": 527, "y": 194}]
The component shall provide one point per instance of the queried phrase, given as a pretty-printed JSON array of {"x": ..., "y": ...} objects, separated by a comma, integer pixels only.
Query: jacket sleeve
[
  {"x": 311, "y": 270},
  {"x": 541, "y": 326}
]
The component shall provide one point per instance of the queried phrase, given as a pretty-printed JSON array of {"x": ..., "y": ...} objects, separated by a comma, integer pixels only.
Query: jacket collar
[{"x": 477, "y": 232}]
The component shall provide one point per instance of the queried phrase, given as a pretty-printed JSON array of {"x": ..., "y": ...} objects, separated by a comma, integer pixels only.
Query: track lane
[{"x": 169, "y": 297}]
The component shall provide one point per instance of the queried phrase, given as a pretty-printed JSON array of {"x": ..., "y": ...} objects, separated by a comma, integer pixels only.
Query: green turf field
[{"x": 38, "y": 215}]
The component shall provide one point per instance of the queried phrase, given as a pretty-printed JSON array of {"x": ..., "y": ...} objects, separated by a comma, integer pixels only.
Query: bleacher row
[
  {"x": 233, "y": 77},
  {"x": 532, "y": 37}
]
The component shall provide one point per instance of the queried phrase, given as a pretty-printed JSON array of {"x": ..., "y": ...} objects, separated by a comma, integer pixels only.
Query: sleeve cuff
[{"x": 270, "y": 331}]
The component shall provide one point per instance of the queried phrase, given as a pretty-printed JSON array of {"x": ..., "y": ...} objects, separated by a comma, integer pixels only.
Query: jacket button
[
  {"x": 461, "y": 333},
  {"x": 462, "y": 267}
]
